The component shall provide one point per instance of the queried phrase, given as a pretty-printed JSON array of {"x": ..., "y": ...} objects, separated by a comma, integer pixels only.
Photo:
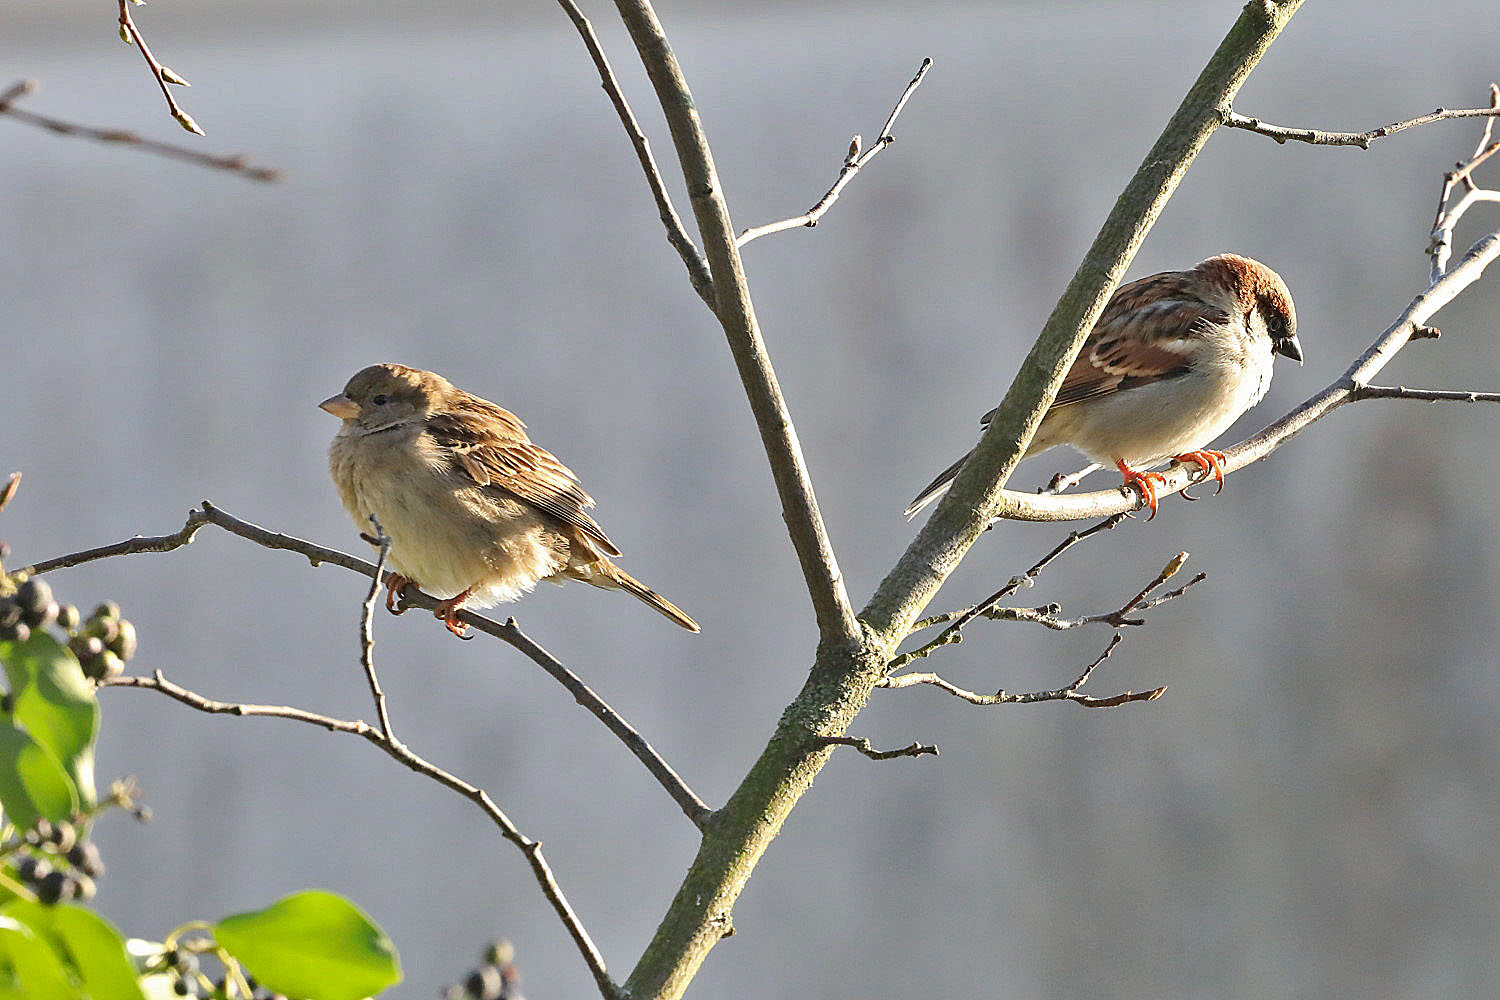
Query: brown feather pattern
[{"x": 490, "y": 446}]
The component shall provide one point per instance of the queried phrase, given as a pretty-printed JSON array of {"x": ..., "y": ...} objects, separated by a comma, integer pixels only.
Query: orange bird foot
[
  {"x": 395, "y": 586},
  {"x": 1144, "y": 482},
  {"x": 1209, "y": 462},
  {"x": 447, "y": 612}
]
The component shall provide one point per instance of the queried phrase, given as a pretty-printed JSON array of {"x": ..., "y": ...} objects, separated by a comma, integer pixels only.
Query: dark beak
[{"x": 1288, "y": 348}]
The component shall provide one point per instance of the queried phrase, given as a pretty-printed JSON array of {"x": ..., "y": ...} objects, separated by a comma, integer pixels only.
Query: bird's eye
[{"x": 379, "y": 400}]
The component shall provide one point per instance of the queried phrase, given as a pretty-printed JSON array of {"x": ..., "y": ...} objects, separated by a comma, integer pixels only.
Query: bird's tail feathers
[
  {"x": 611, "y": 575},
  {"x": 936, "y": 488}
]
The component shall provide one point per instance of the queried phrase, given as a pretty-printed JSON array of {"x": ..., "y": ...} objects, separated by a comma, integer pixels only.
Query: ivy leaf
[
  {"x": 55, "y": 703},
  {"x": 313, "y": 944}
]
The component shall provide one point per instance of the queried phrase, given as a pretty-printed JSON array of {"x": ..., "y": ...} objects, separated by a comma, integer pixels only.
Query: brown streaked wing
[
  {"x": 1120, "y": 352},
  {"x": 490, "y": 446}
]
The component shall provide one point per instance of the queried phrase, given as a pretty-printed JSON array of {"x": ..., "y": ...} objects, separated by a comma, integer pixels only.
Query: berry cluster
[
  {"x": 55, "y": 861},
  {"x": 30, "y": 607},
  {"x": 496, "y": 978},
  {"x": 188, "y": 979},
  {"x": 102, "y": 643}
]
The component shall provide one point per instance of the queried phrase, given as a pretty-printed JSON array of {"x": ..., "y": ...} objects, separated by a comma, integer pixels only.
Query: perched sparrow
[
  {"x": 1173, "y": 361},
  {"x": 475, "y": 512}
]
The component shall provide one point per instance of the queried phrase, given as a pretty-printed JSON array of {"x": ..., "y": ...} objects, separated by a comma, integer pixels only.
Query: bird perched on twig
[
  {"x": 1174, "y": 359},
  {"x": 475, "y": 512}
]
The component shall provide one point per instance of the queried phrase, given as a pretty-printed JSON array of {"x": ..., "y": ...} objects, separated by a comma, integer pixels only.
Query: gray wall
[{"x": 1310, "y": 811}]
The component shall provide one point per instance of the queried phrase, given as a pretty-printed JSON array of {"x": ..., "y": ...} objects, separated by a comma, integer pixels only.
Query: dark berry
[
  {"x": 32, "y": 869},
  {"x": 34, "y": 595},
  {"x": 63, "y": 836},
  {"x": 484, "y": 983},
  {"x": 53, "y": 886},
  {"x": 106, "y": 611},
  {"x": 85, "y": 857},
  {"x": 67, "y": 617},
  {"x": 123, "y": 643},
  {"x": 84, "y": 887},
  {"x": 16, "y": 632}
]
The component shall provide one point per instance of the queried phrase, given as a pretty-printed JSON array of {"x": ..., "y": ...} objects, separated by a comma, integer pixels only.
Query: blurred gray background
[{"x": 1311, "y": 811}]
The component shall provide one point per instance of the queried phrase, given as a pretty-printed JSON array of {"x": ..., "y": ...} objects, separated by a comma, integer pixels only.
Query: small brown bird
[
  {"x": 476, "y": 513},
  {"x": 1174, "y": 359}
]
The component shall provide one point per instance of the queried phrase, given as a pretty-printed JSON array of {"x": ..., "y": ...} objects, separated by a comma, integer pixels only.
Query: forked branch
[
  {"x": 692, "y": 806},
  {"x": 854, "y": 161}
]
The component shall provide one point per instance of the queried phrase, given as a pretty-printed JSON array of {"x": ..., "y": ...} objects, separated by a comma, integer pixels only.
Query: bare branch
[
  {"x": 532, "y": 849},
  {"x": 234, "y": 163},
  {"x": 954, "y": 632},
  {"x": 736, "y": 314},
  {"x": 508, "y": 632},
  {"x": 854, "y": 161},
  {"x": 1282, "y": 133},
  {"x": 165, "y": 78},
  {"x": 1069, "y": 693},
  {"x": 367, "y": 631},
  {"x": 863, "y": 746},
  {"x": 1448, "y": 216},
  {"x": 9, "y": 491},
  {"x": 1429, "y": 395},
  {"x": 697, "y": 267}
]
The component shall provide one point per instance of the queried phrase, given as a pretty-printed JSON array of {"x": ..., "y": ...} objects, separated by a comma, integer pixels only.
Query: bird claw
[
  {"x": 395, "y": 589},
  {"x": 1209, "y": 462},
  {"x": 1144, "y": 483},
  {"x": 447, "y": 613}
]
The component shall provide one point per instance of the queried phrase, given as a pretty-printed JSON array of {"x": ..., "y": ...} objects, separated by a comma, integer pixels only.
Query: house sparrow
[
  {"x": 476, "y": 513},
  {"x": 1174, "y": 359}
]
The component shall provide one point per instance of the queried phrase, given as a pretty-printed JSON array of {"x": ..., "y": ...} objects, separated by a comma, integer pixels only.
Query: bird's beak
[
  {"x": 346, "y": 408},
  {"x": 1288, "y": 348}
]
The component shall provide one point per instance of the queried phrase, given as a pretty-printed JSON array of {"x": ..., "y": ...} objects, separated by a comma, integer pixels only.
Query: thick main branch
[
  {"x": 845, "y": 673},
  {"x": 976, "y": 496}
]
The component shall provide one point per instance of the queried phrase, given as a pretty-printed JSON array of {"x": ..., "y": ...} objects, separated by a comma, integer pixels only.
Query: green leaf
[
  {"x": 35, "y": 965},
  {"x": 56, "y": 704},
  {"x": 95, "y": 948},
  {"x": 32, "y": 782},
  {"x": 313, "y": 944}
]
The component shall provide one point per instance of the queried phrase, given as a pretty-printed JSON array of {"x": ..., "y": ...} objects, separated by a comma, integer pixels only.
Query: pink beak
[{"x": 340, "y": 406}]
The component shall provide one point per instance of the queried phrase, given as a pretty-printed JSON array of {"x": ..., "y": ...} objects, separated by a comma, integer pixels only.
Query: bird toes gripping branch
[
  {"x": 1210, "y": 462},
  {"x": 395, "y": 589},
  {"x": 1144, "y": 483},
  {"x": 447, "y": 613}
]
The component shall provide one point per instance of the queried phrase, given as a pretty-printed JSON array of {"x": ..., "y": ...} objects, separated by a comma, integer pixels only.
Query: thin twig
[
  {"x": 854, "y": 160},
  {"x": 235, "y": 163},
  {"x": 367, "y": 630},
  {"x": 1317, "y": 137},
  {"x": 1062, "y": 482},
  {"x": 864, "y": 746},
  {"x": 677, "y": 235},
  {"x": 1448, "y": 216},
  {"x": 403, "y": 755},
  {"x": 1069, "y": 693},
  {"x": 735, "y": 311},
  {"x": 692, "y": 806},
  {"x": 165, "y": 78},
  {"x": 954, "y": 632},
  {"x": 1429, "y": 395},
  {"x": 11, "y": 485}
]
